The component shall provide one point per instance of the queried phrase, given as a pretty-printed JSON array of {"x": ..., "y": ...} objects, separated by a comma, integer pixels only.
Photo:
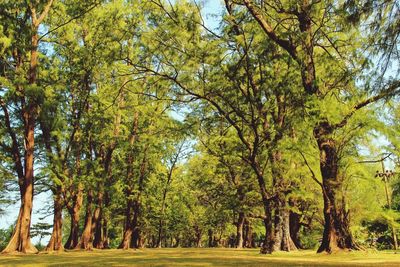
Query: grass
[{"x": 201, "y": 257}]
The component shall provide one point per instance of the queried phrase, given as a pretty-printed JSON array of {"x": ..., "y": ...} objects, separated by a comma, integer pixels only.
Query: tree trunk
[
  {"x": 248, "y": 241},
  {"x": 97, "y": 227},
  {"x": 283, "y": 240},
  {"x": 287, "y": 242},
  {"x": 21, "y": 240},
  {"x": 128, "y": 229},
  {"x": 239, "y": 230},
  {"x": 74, "y": 212},
  {"x": 105, "y": 240},
  {"x": 267, "y": 245},
  {"x": 337, "y": 235},
  {"x": 55, "y": 243},
  {"x": 210, "y": 238},
  {"x": 135, "y": 241},
  {"x": 198, "y": 235},
  {"x": 86, "y": 238},
  {"x": 294, "y": 224},
  {"x": 135, "y": 225},
  {"x": 159, "y": 235}
]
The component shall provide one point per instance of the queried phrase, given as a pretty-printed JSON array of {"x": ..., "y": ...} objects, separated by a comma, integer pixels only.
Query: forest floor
[{"x": 201, "y": 257}]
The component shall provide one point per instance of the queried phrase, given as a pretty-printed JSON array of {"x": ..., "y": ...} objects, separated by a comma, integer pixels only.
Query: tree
[{"x": 20, "y": 59}]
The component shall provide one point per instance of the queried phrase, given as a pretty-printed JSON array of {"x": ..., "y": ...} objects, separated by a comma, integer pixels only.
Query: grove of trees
[{"x": 151, "y": 123}]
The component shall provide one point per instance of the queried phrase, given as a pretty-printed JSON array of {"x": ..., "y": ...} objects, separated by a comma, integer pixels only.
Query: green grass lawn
[{"x": 201, "y": 257}]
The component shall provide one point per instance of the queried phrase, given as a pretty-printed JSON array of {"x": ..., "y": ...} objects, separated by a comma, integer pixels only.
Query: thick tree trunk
[
  {"x": 239, "y": 230},
  {"x": 74, "y": 212},
  {"x": 86, "y": 238},
  {"x": 282, "y": 240},
  {"x": 337, "y": 235},
  {"x": 20, "y": 240},
  {"x": 55, "y": 243}
]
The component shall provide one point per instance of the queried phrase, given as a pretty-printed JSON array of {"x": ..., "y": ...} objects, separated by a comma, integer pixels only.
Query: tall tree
[{"x": 23, "y": 93}]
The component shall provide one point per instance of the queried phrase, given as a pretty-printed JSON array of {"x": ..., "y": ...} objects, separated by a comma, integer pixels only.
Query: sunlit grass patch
[{"x": 201, "y": 257}]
